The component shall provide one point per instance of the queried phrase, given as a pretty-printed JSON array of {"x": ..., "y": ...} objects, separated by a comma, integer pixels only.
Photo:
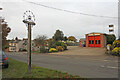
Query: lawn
[
  {"x": 36, "y": 51},
  {"x": 18, "y": 69}
]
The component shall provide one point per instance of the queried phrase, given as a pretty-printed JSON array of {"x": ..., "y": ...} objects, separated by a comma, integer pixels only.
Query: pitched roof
[{"x": 96, "y": 33}]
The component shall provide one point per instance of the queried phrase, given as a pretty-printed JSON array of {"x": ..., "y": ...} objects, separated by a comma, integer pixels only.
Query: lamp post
[{"x": 29, "y": 20}]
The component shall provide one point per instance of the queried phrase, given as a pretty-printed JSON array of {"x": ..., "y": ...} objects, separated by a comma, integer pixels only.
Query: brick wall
[
  {"x": 86, "y": 40},
  {"x": 103, "y": 40}
]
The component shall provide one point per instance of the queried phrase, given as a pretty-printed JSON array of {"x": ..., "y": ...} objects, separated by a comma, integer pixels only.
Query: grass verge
[{"x": 18, "y": 69}]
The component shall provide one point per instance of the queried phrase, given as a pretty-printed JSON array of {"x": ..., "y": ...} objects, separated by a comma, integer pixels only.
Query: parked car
[{"x": 3, "y": 60}]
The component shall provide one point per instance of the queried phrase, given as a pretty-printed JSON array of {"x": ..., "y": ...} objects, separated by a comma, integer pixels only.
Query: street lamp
[{"x": 29, "y": 20}]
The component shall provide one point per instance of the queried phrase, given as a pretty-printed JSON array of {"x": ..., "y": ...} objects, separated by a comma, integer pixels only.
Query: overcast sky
[{"x": 49, "y": 20}]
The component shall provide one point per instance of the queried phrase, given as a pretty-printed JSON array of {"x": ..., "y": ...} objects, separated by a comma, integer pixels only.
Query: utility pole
[
  {"x": 0, "y": 43},
  {"x": 119, "y": 19},
  {"x": 0, "y": 31},
  {"x": 29, "y": 19}
]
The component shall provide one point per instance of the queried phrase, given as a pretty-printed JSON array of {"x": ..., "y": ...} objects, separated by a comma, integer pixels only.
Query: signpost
[{"x": 29, "y": 20}]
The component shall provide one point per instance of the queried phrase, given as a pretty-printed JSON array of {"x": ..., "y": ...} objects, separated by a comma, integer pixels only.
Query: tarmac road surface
[{"x": 84, "y": 66}]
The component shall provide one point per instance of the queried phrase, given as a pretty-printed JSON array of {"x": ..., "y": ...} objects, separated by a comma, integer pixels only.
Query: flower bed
[{"x": 115, "y": 48}]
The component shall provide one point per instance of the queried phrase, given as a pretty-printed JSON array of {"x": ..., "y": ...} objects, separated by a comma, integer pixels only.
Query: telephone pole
[
  {"x": 0, "y": 32},
  {"x": 29, "y": 19},
  {"x": 119, "y": 19}
]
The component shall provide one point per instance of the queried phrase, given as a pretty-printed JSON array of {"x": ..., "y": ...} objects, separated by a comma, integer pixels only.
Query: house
[
  {"x": 19, "y": 45},
  {"x": 96, "y": 39},
  {"x": 13, "y": 46}
]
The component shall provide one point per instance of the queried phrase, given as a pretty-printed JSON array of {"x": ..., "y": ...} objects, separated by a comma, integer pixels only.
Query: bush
[
  {"x": 59, "y": 48},
  {"x": 5, "y": 47},
  {"x": 110, "y": 38},
  {"x": 112, "y": 47},
  {"x": 43, "y": 50},
  {"x": 24, "y": 50},
  {"x": 116, "y": 50},
  {"x": 65, "y": 45},
  {"x": 58, "y": 43},
  {"x": 52, "y": 50},
  {"x": 53, "y": 44},
  {"x": 116, "y": 43},
  {"x": 62, "y": 44}
]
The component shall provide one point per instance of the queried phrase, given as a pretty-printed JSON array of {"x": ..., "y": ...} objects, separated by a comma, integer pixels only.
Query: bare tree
[{"x": 40, "y": 40}]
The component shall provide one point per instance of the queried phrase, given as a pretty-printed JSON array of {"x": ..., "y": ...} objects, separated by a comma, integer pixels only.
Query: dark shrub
[
  {"x": 52, "y": 44},
  {"x": 43, "y": 50},
  {"x": 58, "y": 43},
  {"x": 24, "y": 50}
]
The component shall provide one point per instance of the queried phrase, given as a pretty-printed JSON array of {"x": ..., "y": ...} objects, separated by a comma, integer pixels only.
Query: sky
[{"x": 49, "y": 20}]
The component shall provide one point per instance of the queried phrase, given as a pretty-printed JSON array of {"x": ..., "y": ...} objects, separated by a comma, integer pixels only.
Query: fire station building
[{"x": 95, "y": 40}]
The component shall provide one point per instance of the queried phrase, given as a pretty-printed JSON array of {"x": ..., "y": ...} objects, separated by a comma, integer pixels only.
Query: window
[
  {"x": 89, "y": 41},
  {"x": 92, "y": 41},
  {"x": 98, "y": 41},
  {"x": 95, "y": 41}
]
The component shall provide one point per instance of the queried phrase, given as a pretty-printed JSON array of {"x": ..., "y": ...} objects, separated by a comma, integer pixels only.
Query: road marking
[
  {"x": 109, "y": 67},
  {"x": 111, "y": 61},
  {"x": 112, "y": 67},
  {"x": 102, "y": 66},
  {"x": 106, "y": 60}
]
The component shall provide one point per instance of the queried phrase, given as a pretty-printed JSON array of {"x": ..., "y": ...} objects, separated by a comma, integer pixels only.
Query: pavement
[{"x": 87, "y": 66}]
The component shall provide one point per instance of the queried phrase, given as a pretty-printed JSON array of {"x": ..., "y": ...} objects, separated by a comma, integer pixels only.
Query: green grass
[
  {"x": 36, "y": 51},
  {"x": 18, "y": 69}
]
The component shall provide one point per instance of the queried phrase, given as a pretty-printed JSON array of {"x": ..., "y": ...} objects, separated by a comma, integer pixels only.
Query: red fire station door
[{"x": 94, "y": 41}]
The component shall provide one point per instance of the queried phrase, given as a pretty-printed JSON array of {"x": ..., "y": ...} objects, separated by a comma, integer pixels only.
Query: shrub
[
  {"x": 65, "y": 45},
  {"x": 52, "y": 50},
  {"x": 43, "y": 50},
  {"x": 52, "y": 44},
  {"x": 58, "y": 43},
  {"x": 110, "y": 38},
  {"x": 116, "y": 43},
  {"x": 5, "y": 47},
  {"x": 62, "y": 44},
  {"x": 116, "y": 50},
  {"x": 112, "y": 47},
  {"x": 59, "y": 48},
  {"x": 24, "y": 50}
]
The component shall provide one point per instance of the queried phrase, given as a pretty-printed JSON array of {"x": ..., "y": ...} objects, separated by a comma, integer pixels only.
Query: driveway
[
  {"x": 75, "y": 62},
  {"x": 76, "y": 50},
  {"x": 83, "y": 52}
]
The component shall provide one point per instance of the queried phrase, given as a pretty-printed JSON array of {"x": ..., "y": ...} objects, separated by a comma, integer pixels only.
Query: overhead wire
[{"x": 69, "y": 10}]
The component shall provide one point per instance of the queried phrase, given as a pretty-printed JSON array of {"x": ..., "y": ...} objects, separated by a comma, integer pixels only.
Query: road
[{"x": 84, "y": 66}]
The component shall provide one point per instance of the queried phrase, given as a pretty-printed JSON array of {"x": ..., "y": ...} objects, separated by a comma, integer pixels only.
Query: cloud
[{"x": 48, "y": 20}]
